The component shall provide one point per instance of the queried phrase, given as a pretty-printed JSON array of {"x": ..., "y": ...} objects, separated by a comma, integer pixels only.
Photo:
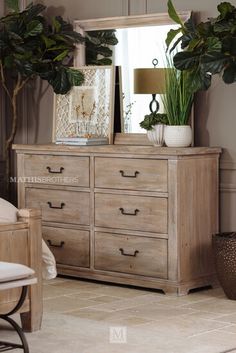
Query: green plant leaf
[
  {"x": 229, "y": 75},
  {"x": 229, "y": 45},
  {"x": 173, "y": 14},
  {"x": 56, "y": 25},
  {"x": 33, "y": 11},
  {"x": 13, "y": 5},
  {"x": 199, "y": 80},
  {"x": 60, "y": 82},
  {"x": 225, "y": 26},
  {"x": 48, "y": 41},
  {"x": 171, "y": 35},
  {"x": 153, "y": 119},
  {"x": 214, "y": 62},
  {"x": 186, "y": 60},
  {"x": 75, "y": 77},
  {"x": 15, "y": 37},
  {"x": 194, "y": 43},
  {"x": 204, "y": 29},
  {"x": 33, "y": 28},
  {"x": 61, "y": 56},
  {"x": 103, "y": 61},
  {"x": 225, "y": 8},
  {"x": 189, "y": 25},
  {"x": 214, "y": 44},
  {"x": 8, "y": 61}
]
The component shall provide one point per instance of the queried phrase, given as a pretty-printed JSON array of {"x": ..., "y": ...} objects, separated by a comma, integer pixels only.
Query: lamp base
[{"x": 153, "y": 103}]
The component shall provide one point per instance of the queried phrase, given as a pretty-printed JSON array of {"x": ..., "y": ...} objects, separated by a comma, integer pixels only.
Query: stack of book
[{"x": 82, "y": 141}]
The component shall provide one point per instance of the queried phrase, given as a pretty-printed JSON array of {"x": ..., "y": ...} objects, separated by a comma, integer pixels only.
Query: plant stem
[{"x": 13, "y": 99}]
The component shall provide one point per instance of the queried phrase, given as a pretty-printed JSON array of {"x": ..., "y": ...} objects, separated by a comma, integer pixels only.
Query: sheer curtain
[{"x": 137, "y": 47}]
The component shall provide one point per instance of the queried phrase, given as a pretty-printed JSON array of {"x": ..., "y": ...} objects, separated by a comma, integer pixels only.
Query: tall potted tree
[
  {"x": 209, "y": 48},
  {"x": 30, "y": 47}
]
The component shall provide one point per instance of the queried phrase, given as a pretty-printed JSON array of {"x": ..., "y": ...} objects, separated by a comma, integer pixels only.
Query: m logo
[{"x": 118, "y": 334}]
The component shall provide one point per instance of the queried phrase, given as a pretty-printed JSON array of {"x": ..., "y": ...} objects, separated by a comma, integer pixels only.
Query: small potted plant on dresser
[
  {"x": 209, "y": 49},
  {"x": 177, "y": 102},
  {"x": 154, "y": 123}
]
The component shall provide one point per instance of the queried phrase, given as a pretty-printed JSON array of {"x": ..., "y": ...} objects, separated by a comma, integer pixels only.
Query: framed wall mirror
[{"x": 140, "y": 40}]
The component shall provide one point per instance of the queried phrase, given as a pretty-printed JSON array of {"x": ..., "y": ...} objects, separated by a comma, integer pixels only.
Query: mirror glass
[
  {"x": 140, "y": 40},
  {"x": 136, "y": 48}
]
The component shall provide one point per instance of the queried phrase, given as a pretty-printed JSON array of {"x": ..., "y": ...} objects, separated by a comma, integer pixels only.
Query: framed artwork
[{"x": 87, "y": 111}]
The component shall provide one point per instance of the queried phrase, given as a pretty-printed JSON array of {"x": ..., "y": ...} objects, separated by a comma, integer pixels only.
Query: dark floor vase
[{"x": 224, "y": 249}]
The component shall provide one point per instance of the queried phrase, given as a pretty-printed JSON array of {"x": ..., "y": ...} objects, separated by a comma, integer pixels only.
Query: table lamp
[{"x": 150, "y": 81}]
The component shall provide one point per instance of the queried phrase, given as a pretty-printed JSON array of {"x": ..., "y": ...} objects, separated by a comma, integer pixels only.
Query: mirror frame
[{"x": 156, "y": 19}]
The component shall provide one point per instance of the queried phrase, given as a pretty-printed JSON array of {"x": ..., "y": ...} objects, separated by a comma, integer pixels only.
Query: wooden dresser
[{"x": 136, "y": 215}]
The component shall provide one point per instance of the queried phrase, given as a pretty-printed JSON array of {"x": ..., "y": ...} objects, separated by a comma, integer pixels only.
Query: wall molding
[
  {"x": 227, "y": 188},
  {"x": 227, "y": 164}
]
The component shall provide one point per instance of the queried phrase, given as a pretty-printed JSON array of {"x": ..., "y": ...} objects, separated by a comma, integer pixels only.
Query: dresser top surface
[{"x": 117, "y": 149}]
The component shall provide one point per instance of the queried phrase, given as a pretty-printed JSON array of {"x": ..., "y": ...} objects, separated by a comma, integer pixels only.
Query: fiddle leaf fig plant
[
  {"x": 30, "y": 47},
  {"x": 209, "y": 47},
  {"x": 98, "y": 46}
]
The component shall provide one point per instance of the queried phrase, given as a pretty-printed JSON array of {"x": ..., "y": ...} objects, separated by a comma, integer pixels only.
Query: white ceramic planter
[
  {"x": 156, "y": 135},
  {"x": 178, "y": 135}
]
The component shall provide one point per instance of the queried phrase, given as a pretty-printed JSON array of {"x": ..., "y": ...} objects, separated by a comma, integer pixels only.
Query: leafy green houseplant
[
  {"x": 208, "y": 47},
  {"x": 98, "y": 46},
  {"x": 177, "y": 102},
  {"x": 150, "y": 120},
  {"x": 154, "y": 124},
  {"x": 32, "y": 47}
]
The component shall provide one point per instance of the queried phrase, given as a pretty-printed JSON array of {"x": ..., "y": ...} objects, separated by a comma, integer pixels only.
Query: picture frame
[{"x": 87, "y": 111}]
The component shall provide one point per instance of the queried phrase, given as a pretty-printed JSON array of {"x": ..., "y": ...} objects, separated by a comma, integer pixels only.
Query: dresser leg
[{"x": 176, "y": 291}]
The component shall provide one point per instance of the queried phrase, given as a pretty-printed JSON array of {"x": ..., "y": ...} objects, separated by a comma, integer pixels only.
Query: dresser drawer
[
  {"x": 60, "y": 170},
  {"x": 69, "y": 246},
  {"x": 131, "y": 254},
  {"x": 131, "y": 212},
  {"x": 60, "y": 206},
  {"x": 131, "y": 174}
]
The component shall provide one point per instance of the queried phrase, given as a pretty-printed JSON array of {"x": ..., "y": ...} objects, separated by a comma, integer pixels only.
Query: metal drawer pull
[
  {"x": 127, "y": 213},
  {"x": 56, "y": 207},
  {"x": 62, "y": 243},
  {"x": 124, "y": 254},
  {"x": 129, "y": 176},
  {"x": 55, "y": 171}
]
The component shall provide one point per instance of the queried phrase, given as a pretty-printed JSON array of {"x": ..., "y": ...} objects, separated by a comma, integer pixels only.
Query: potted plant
[
  {"x": 210, "y": 48},
  {"x": 177, "y": 102},
  {"x": 31, "y": 47},
  {"x": 154, "y": 124}
]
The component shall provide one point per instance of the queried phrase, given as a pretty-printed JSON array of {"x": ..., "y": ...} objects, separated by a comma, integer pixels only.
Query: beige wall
[{"x": 215, "y": 111}]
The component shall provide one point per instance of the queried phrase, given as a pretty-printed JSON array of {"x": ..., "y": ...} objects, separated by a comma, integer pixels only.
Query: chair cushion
[
  {"x": 8, "y": 212},
  {"x": 11, "y": 272}
]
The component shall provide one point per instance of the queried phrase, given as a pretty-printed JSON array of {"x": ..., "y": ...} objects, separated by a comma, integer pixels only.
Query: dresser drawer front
[
  {"x": 131, "y": 254},
  {"x": 131, "y": 174},
  {"x": 69, "y": 246},
  {"x": 60, "y": 206},
  {"x": 131, "y": 212},
  {"x": 61, "y": 170}
]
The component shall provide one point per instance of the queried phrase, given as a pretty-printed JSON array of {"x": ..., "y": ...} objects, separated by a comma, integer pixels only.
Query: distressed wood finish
[
  {"x": 131, "y": 212},
  {"x": 57, "y": 170},
  {"x": 59, "y": 205},
  {"x": 131, "y": 254},
  {"x": 21, "y": 242},
  {"x": 177, "y": 199},
  {"x": 131, "y": 174},
  {"x": 70, "y": 247}
]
